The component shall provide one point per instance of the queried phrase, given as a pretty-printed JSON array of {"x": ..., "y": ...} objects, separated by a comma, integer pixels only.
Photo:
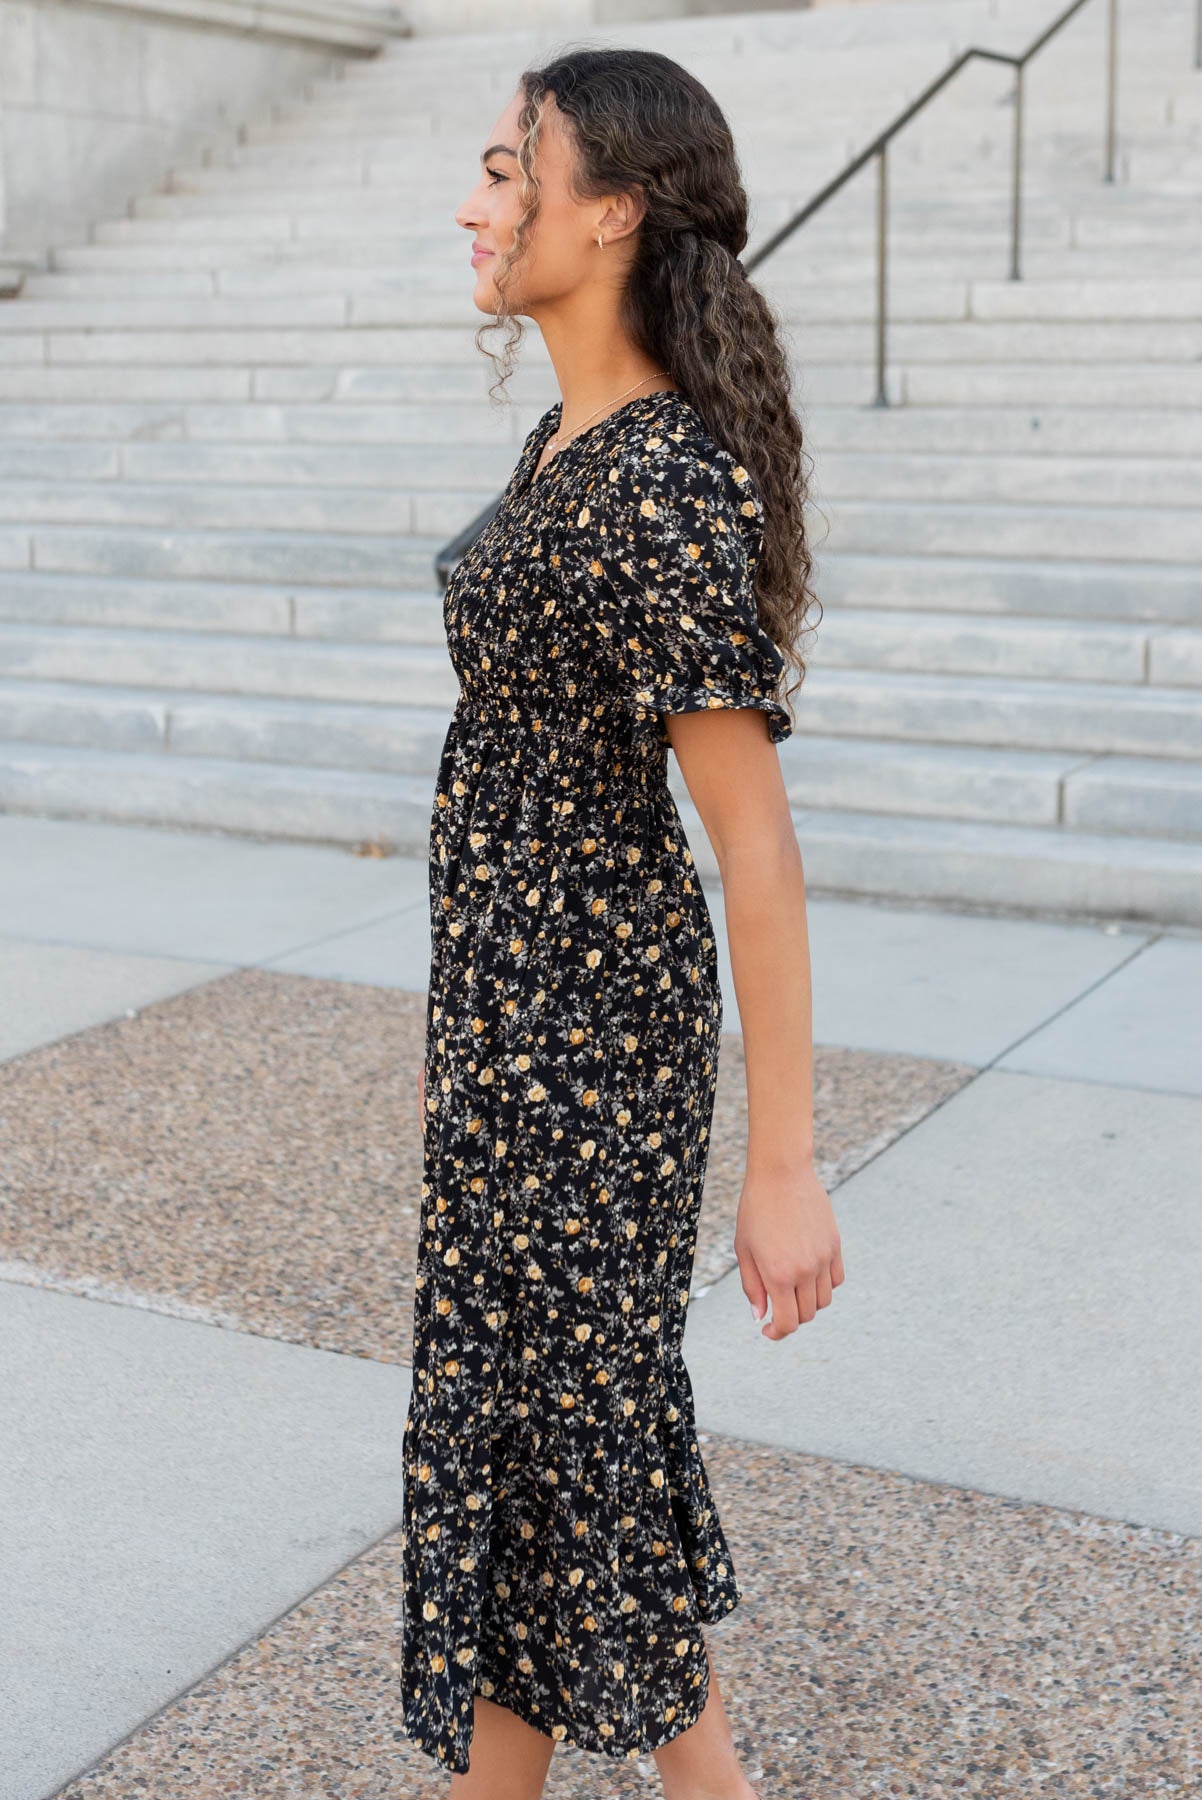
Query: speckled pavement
[{"x": 238, "y": 1147}]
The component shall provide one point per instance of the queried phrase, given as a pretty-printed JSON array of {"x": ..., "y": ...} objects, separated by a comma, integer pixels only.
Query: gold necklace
[{"x": 562, "y": 437}]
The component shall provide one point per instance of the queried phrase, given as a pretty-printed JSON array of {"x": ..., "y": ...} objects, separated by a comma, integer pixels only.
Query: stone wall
[{"x": 99, "y": 98}]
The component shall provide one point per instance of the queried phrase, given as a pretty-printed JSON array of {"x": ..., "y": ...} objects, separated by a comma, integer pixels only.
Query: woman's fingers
[
  {"x": 785, "y": 1317},
  {"x": 753, "y": 1285},
  {"x": 799, "y": 1304}
]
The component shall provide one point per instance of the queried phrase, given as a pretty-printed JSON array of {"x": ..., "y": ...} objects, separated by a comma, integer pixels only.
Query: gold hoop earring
[{"x": 600, "y": 242}]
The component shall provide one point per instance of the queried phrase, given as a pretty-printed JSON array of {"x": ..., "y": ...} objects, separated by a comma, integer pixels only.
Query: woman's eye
[{"x": 495, "y": 173}]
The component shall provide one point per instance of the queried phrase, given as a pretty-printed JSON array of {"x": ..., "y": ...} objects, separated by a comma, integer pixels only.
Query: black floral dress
[{"x": 560, "y": 1543}]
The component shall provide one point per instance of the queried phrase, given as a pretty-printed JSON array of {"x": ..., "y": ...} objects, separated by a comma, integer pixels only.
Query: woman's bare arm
[{"x": 786, "y": 1239}]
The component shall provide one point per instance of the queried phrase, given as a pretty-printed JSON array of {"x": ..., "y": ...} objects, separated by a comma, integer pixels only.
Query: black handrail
[
  {"x": 450, "y": 553},
  {"x": 880, "y": 144}
]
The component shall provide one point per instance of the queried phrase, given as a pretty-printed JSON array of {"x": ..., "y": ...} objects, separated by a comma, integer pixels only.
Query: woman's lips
[{"x": 479, "y": 255}]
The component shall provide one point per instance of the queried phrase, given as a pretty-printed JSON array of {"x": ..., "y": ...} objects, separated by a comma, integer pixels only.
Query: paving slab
[
  {"x": 165, "y": 892},
  {"x": 1142, "y": 1027},
  {"x": 53, "y": 990},
  {"x": 169, "y": 1489},
  {"x": 922, "y": 981},
  {"x": 1020, "y": 1313},
  {"x": 393, "y": 952}
]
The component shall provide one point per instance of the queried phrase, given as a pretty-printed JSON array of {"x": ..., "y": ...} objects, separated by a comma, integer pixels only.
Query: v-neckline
[{"x": 554, "y": 415}]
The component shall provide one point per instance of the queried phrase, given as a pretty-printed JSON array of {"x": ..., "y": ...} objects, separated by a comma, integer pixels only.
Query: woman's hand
[
  {"x": 788, "y": 1247},
  {"x": 421, "y": 1096}
]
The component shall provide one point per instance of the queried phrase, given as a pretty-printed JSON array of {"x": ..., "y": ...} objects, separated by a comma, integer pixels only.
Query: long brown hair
[{"x": 640, "y": 123}]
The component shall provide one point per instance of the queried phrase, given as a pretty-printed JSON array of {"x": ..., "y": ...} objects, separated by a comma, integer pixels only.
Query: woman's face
[{"x": 561, "y": 252}]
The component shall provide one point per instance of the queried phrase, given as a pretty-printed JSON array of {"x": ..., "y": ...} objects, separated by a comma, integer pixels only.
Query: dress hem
[{"x": 593, "y": 1743}]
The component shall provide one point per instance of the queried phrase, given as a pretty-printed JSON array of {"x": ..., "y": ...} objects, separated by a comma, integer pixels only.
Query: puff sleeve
[{"x": 664, "y": 548}]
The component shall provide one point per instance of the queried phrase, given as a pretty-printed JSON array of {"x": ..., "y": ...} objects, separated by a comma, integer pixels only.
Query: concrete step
[
  {"x": 173, "y": 296},
  {"x": 236, "y": 663},
  {"x": 234, "y": 506},
  {"x": 310, "y": 559},
  {"x": 379, "y": 264},
  {"x": 1079, "y": 716},
  {"x": 133, "y": 313},
  {"x": 256, "y": 728},
  {"x": 1143, "y": 795},
  {"x": 1046, "y": 479},
  {"x": 1027, "y": 870},
  {"x": 1125, "y": 434},
  {"x": 43, "y": 460},
  {"x": 42, "y": 382},
  {"x": 331, "y": 642},
  {"x": 141, "y": 284},
  {"x": 380, "y": 121},
  {"x": 337, "y": 806},
  {"x": 1150, "y": 344},
  {"x": 973, "y": 615},
  {"x": 296, "y": 179},
  {"x": 479, "y": 469},
  {"x": 391, "y": 303},
  {"x": 972, "y": 115},
  {"x": 404, "y": 425},
  {"x": 345, "y": 108},
  {"x": 950, "y": 528},
  {"x": 361, "y": 615},
  {"x": 325, "y": 233},
  {"x": 895, "y": 526},
  {"x": 303, "y": 211},
  {"x": 972, "y": 644},
  {"x": 32, "y": 383},
  {"x": 1128, "y": 383},
  {"x": 1161, "y": 594},
  {"x": 1044, "y": 586}
]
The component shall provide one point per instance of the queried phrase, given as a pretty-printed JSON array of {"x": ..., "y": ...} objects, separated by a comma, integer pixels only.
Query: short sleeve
[{"x": 665, "y": 545}]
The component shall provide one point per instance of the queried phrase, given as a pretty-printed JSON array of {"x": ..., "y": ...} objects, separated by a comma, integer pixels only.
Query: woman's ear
[{"x": 622, "y": 214}]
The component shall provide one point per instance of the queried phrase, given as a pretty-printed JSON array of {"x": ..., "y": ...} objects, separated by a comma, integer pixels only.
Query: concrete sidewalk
[{"x": 1017, "y": 1343}]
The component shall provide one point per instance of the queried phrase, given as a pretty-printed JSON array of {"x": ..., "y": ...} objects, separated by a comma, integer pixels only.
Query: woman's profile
[{"x": 641, "y": 588}]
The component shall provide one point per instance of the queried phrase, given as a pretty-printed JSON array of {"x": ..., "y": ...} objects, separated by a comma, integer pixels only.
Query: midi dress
[{"x": 561, "y": 1547}]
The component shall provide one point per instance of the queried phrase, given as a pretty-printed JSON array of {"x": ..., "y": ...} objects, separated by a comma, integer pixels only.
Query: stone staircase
[{"x": 236, "y": 426}]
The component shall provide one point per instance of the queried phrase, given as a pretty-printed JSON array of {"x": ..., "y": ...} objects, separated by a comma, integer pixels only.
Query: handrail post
[
  {"x": 1016, "y": 171},
  {"x": 1112, "y": 30},
  {"x": 882, "y": 398}
]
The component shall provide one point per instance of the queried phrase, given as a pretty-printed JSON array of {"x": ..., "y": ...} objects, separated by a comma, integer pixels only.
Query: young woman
[{"x": 561, "y": 1546}]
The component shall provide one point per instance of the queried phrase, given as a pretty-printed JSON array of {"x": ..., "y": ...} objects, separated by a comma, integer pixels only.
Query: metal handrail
[{"x": 880, "y": 144}]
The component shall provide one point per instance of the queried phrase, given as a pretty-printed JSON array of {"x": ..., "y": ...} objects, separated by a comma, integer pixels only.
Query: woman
[{"x": 561, "y": 1544}]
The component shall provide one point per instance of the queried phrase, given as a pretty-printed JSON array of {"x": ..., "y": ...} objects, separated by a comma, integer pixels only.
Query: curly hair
[{"x": 640, "y": 123}]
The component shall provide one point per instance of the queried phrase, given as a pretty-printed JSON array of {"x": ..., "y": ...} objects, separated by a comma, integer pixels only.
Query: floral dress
[{"x": 560, "y": 1544}]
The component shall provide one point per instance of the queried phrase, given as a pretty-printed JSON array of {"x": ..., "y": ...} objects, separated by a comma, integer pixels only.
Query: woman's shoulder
[{"x": 672, "y": 459}]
